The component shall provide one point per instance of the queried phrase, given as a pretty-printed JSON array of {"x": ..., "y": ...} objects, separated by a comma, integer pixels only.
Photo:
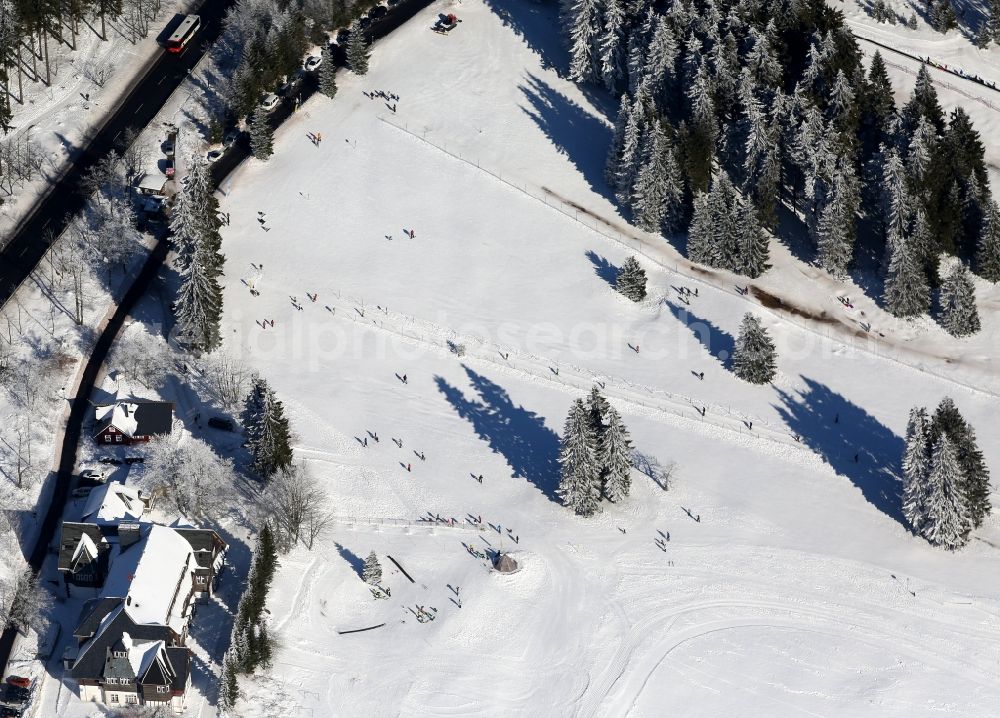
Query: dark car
[
  {"x": 393, "y": 3},
  {"x": 110, "y": 460},
  {"x": 135, "y": 460},
  {"x": 379, "y": 11},
  {"x": 11, "y": 712},
  {"x": 19, "y": 681},
  {"x": 218, "y": 422},
  {"x": 13, "y": 694},
  {"x": 364, "y": 21},
  {"x": 343, "y": 35}
]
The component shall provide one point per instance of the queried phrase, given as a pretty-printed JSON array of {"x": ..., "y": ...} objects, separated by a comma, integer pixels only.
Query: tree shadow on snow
[
  {"x": 716, "y": 340},
  {"x": 853, "y": 442},
  {"x": 603, "y": 268},
  {"x": 581, "y": 136},
  {"x": 530, "y": 448},
  {"x": 536, "y": 24},
  {"x": 357, "y": 563}
]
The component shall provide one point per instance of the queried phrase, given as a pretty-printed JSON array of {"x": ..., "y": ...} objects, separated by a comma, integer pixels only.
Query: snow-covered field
[{"x": 797, "y": 592}]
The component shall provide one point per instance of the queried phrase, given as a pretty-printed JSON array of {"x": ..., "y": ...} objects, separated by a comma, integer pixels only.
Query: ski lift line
[
  {"x": 869, "y": 346},
  {"x": 360, "y": 630}
]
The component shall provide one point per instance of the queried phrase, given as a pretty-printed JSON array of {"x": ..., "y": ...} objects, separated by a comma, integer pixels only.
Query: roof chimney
[{"x": 128, "y": 534}]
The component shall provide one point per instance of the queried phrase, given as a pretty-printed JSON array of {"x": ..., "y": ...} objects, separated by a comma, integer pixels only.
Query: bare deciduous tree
[
  {"x": 30, "y": 603},
  {"x": 297, "y": 506},
  {"x": 195, "y": 480},
  {"x": 142, "y": 357},
  {"x": 227, "y": 380}
]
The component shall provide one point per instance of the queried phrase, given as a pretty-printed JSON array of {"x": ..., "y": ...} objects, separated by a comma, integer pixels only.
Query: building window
[
  {"x": 200, "y": 579},
  {"x": 107, "y": 437},
  {"x": 110, "y": 681},
  {"x": 131, "y": 698},
  {"x": 118, "y": 438},
  {"x": 112, "y": 698},
  {"x": 161, "y": 689}
]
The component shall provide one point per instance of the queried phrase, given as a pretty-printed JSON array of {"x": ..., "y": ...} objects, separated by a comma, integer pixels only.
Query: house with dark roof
[
  {"x": 123, "y": 661},
  {"x": 131, "y": 421},
  {"x": 84, "y": 557}
]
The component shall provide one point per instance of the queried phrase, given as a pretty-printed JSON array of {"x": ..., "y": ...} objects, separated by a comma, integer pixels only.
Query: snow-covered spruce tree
[
  {"x": 615, "y": 457},
  {"x": 267, "y": 431},
  {"x": 976, "y": 476},
  {"x": 946, "y": 521},
  {"x": 613, "y": 45},
  {"x": 754, "y": 356},
  {"x": 372, "y": 571},
  {"x": 916, "y": 468},
  {"x": 959, "y": 315},
  {"x": 261, "y": 134},
  {"x": 358, "y": 52},
  {"x": 585, "y": 34},
  {"x": 229, "y": 687},
  {"x": 895, "y": 200},
  {"x": 752, "y": 242},
  {"x": 199, "y": 300},
  {"x": 699, "y": 244},
  {"x": 631, "y": 280},
  {"x": 631, "y": 152},
  {"x": 658, "y": 190},
  {"x": 580, "y": 482},
  {"x": 617, "y": 141},
  {"x": 906, "y": 291},
  {"x": 598, "y": 407},
  {"x": 988, "y": 251},
  {"x": 327, "y": 73}
]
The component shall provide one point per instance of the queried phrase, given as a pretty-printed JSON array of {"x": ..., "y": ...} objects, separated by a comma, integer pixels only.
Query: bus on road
[{"x": 184, "y": 32}]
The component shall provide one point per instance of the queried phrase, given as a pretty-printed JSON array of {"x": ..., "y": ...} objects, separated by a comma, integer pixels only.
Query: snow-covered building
[
  {"x": 131, "y": 638},
  {"x": 122, "y": 660},
  {"x": 84, "y": 554},
  {"x": 113, "y": 503},
  {"x": 132, "y": 420},
  {"x": 94, "y": 555}
]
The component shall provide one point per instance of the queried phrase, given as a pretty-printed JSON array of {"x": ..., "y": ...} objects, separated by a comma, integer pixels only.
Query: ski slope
[{"x": 797, "y": 591}]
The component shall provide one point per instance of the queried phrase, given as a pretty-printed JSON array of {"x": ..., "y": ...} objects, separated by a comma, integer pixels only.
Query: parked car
[
  {"x": 230, "y": 137},
  {"x": 11, "y": 711},
  {"x": 270, "y": 102},
  {"x": 82, "y": 492},
  {"x": 92, "y": 475},
  {"x": 20, "y": 682},
  {"x": 110, "y": 460},
  {"x": 313, "y": 62},
  {"x": 213, "y": 156},
  {"x": 393, "y": 3},
  {"x": 168, "y": 167},
  {"x": 16, "y": 695},
  {"x": 363, "y": 22},
  {"x": 379, "y": 11},
  {"x": 343, "y": 35},
  {"x": 168, "y": 148},
  {"x": 135, "y": 460},
  {"x": 218, "y": 422}
]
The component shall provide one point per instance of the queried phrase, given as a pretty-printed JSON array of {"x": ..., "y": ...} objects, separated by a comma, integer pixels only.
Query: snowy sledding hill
[{"x": 797, "y": 591}]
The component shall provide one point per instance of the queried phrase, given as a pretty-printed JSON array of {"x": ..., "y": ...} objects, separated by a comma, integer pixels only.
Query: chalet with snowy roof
[
  {"x": 131, "y": 421},
  {"x": 122, "y": 660}
]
